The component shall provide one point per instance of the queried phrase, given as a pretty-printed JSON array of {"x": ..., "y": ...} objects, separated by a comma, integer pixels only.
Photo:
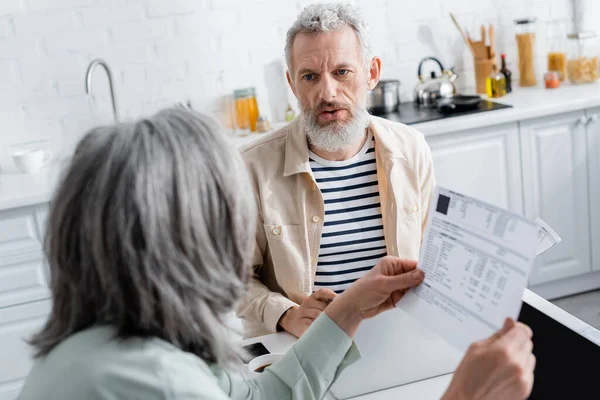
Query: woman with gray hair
[{"x": 149, "y": 239}]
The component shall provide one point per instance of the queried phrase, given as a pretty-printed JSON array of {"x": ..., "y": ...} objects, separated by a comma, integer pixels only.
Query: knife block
[{"x": 483, "y": 69}]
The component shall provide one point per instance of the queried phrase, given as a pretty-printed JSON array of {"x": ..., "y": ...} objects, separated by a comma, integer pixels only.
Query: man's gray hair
[
  {"x": 329, "y": 17},
  {"x": 150, "y": 232}
]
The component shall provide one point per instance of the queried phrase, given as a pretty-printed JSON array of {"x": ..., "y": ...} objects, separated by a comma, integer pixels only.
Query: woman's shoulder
[{"x": 95, "y": 363}]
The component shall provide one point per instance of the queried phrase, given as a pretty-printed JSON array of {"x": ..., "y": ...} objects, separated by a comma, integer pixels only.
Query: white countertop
[
  {"x": 527, "y": 103},
  {"x": 19, "y": 190},
  {"x": 433, "y": 388}
]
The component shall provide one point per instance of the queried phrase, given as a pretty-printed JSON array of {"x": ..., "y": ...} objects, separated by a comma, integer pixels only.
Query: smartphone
[{"x": 254, "y": 350}]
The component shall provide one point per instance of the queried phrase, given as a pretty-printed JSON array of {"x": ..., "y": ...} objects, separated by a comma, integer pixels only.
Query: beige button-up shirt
[{"x": 291, "y": 213}]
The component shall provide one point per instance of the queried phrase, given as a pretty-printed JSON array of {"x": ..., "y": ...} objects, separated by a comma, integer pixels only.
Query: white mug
[
  {"x": 258, "y": 364},
  {"x": 31, "y": 161}
]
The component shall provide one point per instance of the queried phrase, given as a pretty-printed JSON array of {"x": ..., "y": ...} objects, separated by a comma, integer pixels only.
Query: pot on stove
[
  {"x": 429, "y": 91},
  {"x": 385, "y": 97}
]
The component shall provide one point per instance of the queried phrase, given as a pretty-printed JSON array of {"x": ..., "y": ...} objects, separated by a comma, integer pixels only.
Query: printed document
[
  {"x": 547, "y": 238},
  {"x": 476, "y": 258}
]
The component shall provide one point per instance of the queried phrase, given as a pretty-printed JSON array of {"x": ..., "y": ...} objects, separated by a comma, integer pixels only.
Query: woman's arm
[{"x": 307, "y": 371}]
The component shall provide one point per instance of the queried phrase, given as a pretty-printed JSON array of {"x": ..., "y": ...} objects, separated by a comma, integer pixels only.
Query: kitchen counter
[
  {"x": 526, "y": 103},
  {"x": 20, "y": 190}
]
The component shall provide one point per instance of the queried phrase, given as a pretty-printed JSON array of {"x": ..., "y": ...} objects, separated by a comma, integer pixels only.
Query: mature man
[{"x": 337, "y": 189}]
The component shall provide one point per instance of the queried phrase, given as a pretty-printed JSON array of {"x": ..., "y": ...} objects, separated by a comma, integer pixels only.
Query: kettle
[{"x": 427, "y": 92}]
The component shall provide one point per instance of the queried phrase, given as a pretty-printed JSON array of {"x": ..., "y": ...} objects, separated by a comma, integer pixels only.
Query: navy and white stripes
[{"x": 352, "y": 239}]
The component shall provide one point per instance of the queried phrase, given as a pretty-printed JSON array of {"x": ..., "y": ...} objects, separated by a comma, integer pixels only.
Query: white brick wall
[{"x": 165, "y": 51}]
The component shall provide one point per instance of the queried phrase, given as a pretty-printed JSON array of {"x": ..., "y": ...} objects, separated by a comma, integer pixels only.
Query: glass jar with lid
[
  {"x": 582, "y": 57},
  {"x": 557, "y": 56},
  {"x": 525, "y": 34}
]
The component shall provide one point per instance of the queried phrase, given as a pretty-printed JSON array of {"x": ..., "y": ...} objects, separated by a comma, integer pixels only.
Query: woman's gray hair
[
  {"x": 150, "y": 232},
  {"x": 329, "y": 17}
]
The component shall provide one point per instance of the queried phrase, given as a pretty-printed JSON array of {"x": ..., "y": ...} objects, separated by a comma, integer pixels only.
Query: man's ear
[
  {"x": 374, "y": 72},
  {"x": 290, "y": 82}
]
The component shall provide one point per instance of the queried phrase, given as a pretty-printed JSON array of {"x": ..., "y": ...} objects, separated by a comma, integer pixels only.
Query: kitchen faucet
[{"x": 88, "y": 83}]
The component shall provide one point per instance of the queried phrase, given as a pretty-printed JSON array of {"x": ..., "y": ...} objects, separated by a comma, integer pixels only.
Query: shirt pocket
[{"x": 289, "y": 254}]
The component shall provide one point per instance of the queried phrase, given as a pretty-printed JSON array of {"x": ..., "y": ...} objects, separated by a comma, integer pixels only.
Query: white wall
[{"x": 164, "y": 51}]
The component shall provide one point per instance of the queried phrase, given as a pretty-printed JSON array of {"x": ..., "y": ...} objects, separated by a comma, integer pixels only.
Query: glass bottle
[
  {"x": 495, "y": 84},
  {"x": 289, "y": 114},
  {"x": 582, "y": 60},
  {"x": 557, "y": 58},
  {"x": 525, "y": 35},
  {"x": 242, "y": 111},
  {"x": 252, "y": 108},
  {"x": 507, "y": 73}
]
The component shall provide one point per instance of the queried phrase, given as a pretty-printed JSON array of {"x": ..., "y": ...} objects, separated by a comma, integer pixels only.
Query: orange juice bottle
[
  {"x": 242, "y": 111},
  {"x": 252, "y": 108}
]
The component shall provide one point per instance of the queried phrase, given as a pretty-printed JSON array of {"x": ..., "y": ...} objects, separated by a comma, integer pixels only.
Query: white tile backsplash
[
  {"x": 8, "y": 7},
  {"x": 162, "y": 52}
]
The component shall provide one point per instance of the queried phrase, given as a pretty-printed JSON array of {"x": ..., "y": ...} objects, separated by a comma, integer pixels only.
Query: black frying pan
[{"x": 458, "y": 103}]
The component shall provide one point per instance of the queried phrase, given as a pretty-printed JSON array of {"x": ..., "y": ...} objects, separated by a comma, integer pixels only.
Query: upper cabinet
[
  {"x": 555, "y": 188},
  {"x": 482, "y": 163}
]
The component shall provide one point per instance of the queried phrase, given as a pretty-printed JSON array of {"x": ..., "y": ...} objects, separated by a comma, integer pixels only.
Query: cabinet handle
[
  {"x": 583, "y": 120},
  {"x": 593, "y": 118}
]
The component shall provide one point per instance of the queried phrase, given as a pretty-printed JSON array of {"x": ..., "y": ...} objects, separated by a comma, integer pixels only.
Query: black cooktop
[{"x": 410, "y": 113}]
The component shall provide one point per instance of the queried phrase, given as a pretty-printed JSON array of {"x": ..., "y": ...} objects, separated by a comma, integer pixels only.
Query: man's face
[{"x": 329, "y": 76}]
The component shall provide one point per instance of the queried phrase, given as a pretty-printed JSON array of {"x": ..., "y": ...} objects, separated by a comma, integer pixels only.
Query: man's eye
[
  {"x": 343, "y": 72},
  {"x": 308, "y": 77}
]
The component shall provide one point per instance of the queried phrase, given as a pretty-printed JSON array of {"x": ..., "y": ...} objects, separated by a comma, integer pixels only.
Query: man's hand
[
  {"x": 499, "y": 367},
  {"x": 296, "y": 320}
]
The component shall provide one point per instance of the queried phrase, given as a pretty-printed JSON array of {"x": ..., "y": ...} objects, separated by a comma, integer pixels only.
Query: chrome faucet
[{"x": 88, "y": 83}]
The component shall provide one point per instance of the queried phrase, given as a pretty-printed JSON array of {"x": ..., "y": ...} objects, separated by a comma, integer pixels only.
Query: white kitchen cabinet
[
  {"x": 593, "y": 137},
  {"x": 24, "y": 293},
  {"x": 482, "y": 163},
  {"x": 555, "y": 188},
  {"x": 23, "y": 276},
  {"x": 17, "y": 324}
]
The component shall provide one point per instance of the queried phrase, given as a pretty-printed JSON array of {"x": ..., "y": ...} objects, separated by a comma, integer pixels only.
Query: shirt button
[
  {"x": 415, "y": 208},
  {"x": 276, "y": 231},
  {"x": 316, "y": 219}
]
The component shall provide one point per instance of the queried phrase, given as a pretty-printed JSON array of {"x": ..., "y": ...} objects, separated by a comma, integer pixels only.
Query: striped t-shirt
[{"x": 352, "y": 239}]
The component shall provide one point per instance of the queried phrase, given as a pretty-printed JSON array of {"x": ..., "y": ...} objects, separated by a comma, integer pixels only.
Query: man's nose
[{"x": 328, "y": 89}]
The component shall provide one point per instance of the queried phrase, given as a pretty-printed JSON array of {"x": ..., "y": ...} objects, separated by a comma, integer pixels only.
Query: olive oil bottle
[{"x": 495, "y": 84}]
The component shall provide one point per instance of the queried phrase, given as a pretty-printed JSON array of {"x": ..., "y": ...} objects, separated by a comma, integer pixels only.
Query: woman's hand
[
  {"x": 499, "y": 367},
  {"x": 379, "y": 290}
]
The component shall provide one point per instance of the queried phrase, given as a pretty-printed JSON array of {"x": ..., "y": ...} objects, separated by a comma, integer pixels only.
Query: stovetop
[{"x": 410, "y": 113}]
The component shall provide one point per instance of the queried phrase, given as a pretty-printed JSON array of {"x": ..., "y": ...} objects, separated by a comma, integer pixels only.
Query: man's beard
[{"x": 335, "y": 135}]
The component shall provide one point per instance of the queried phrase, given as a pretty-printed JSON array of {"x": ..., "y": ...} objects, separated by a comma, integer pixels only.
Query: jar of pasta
[
  {"x": 525, "y": 35},
  {"x": 582, "y": 60}
]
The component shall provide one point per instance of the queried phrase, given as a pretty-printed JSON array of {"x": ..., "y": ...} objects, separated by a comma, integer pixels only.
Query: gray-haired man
[{"x": 337, "y": 189}]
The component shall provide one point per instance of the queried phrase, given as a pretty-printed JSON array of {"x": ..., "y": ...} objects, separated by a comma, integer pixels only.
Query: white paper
[
  {"x": 476, "y": 258},
  {"x": 547, "y": 237}
]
